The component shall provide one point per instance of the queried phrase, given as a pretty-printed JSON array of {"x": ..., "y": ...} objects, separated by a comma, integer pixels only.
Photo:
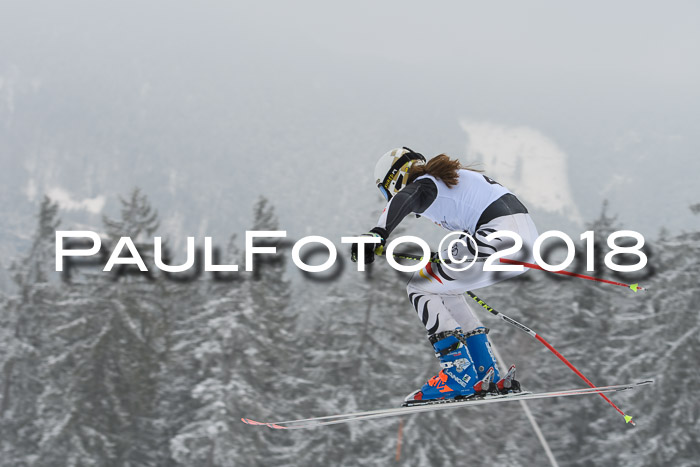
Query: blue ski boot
[
  {"x": 480, "y": 349},
  {"x": 456, "y": 379},
  {"x": 489, "y": 378}
]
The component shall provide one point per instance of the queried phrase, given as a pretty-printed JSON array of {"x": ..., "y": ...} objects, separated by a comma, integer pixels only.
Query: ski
[{"x": 437, "y": 405}]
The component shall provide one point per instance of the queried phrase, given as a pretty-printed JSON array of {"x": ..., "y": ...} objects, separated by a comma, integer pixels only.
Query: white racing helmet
[{"x": 391, "y": 171}]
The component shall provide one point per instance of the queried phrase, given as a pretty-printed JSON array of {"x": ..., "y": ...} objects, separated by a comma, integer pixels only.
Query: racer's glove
[{"x": 370, "y": 248}]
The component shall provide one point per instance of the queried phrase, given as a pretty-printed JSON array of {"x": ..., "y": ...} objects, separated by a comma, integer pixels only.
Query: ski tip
[
  {"x": 248, "y": 421},
  {"x": 645, "y": 382},
  {"x": 628, "y": 419},
  {"x": 634, "y": 287}
]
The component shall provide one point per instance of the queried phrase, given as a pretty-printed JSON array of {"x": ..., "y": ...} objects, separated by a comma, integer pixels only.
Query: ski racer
[{"x": 464, "y": 200}]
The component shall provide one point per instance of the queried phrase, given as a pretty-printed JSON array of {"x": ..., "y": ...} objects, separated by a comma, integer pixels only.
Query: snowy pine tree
[
  {"x": 101, "y": 406},
  {"x": 250, "y": 353},
  {"x": 661, "y": 336},
  {"x": 25, "y": 334}
]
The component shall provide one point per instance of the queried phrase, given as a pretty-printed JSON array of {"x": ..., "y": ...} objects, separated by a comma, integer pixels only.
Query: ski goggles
[{"x": 383, "y": 191}]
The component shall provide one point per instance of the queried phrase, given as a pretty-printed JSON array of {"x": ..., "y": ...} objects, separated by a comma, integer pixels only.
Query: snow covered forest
[{"x": 152, "y": 372}]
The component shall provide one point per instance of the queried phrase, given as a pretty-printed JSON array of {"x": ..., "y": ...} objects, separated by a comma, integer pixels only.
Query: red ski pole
[
  {"x": 634, "y": 287},
  {"x": 522, "y": 327}
]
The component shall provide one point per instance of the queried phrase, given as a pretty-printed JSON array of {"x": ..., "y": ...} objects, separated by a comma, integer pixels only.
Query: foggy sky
[{"x": 206, "y": 106}]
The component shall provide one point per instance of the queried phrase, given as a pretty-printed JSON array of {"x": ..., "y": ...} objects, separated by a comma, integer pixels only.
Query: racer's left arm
[{"x": 414, "y": 198}]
